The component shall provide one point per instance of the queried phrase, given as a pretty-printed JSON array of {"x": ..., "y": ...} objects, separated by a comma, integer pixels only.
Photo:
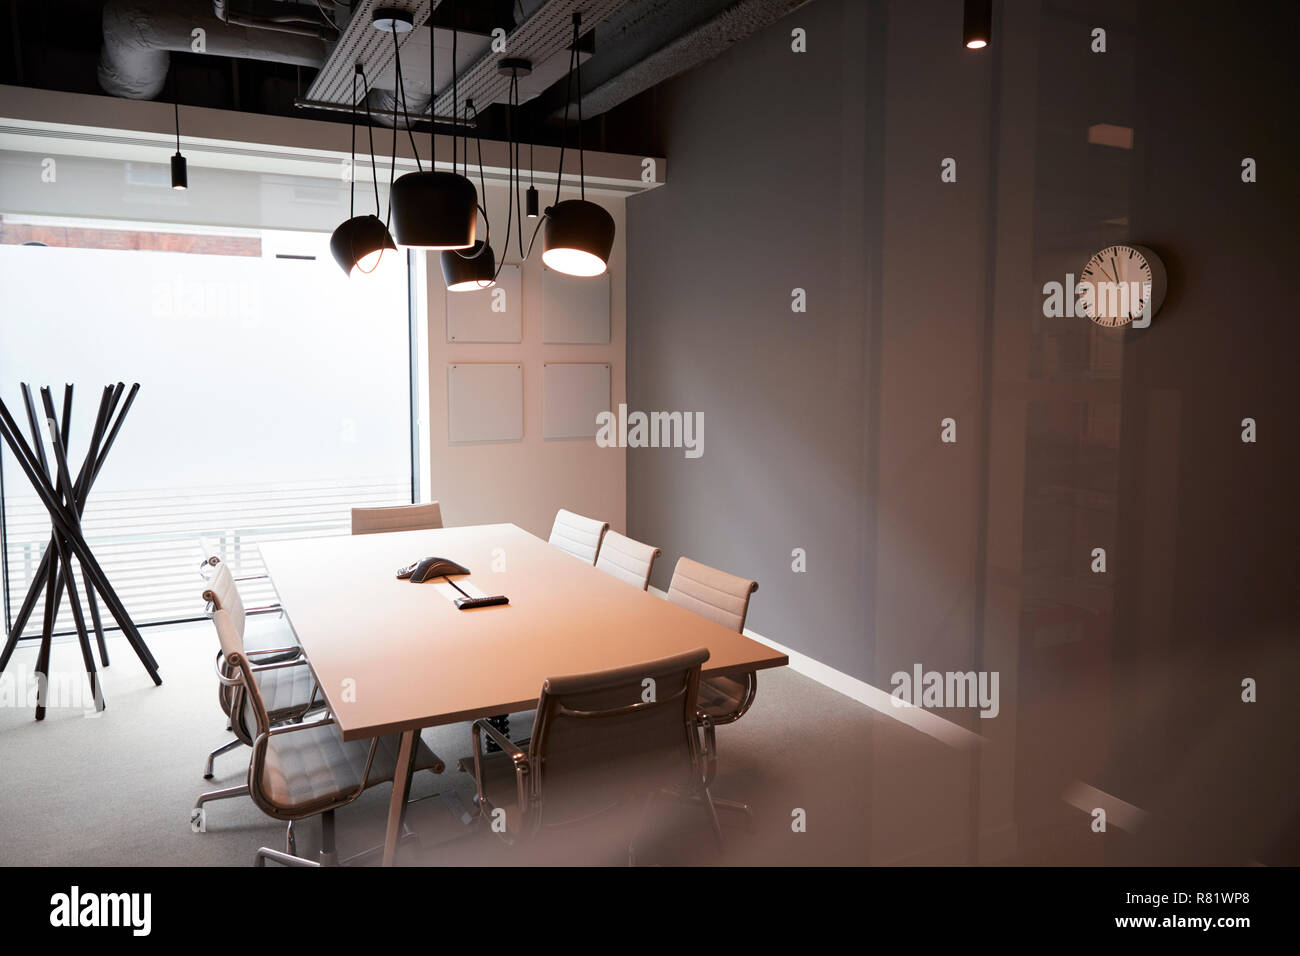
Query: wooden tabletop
[{"x": 393, "y": 656}]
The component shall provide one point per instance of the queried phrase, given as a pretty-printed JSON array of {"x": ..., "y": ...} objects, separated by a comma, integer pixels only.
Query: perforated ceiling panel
[
  {"x": 362, "y": 43},
  {"x": 540, "y": 37}
]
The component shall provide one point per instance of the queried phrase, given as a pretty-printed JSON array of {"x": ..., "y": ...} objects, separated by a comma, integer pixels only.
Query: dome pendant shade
[
  {"x": 433, "y": 210},
  {"x": 578, "y": 238},
  {"x": 358, "y": 244},
  {"x": 470, "y": 271}
]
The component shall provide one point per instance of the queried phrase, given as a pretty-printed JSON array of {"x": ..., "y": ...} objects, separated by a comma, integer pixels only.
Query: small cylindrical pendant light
[
  {"x": 977, "y": 24},
  {"x": 180, "y": 178}
]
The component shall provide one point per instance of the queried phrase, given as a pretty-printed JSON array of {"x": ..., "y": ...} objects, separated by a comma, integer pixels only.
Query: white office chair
[
  {"x": 306, "y": 769},
  {"x": 578, "y": 535},
  {"x": 396, "y": 518},
  {"x": 288, "y": 700},
  {"x": 723, "y": 598},
  {"x": 626, "y": 559}
]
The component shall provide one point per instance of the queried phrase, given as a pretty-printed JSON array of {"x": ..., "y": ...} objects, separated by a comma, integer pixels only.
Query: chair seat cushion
[
  {"x": 721, "y": 696},
  {"x": 286, "y": 690},
  {"x": 315, "y": 766},
  {"x": 267, "y": 631}
]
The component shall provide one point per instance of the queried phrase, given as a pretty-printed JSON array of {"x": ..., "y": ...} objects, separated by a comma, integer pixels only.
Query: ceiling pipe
[
  {"x": 309, "y": 23},
  {"x": 139, "y": 35}
]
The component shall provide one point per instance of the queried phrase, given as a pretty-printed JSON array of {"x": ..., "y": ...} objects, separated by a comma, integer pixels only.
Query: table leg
[{"x": 401, "y": 791}]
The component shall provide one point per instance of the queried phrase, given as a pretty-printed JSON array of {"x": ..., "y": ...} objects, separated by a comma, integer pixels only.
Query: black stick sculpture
[{"x": 65, "y": 499}]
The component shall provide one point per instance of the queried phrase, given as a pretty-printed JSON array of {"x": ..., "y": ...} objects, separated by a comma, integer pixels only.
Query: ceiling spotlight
[{"x": 977, "y": 24}]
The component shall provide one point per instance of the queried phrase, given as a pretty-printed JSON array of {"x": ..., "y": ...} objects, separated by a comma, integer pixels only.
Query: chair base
[
  {"x": 224, "y": 748},
  {"x": 266, "y": 853}
]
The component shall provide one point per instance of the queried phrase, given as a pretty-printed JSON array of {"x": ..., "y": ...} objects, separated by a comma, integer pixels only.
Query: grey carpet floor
[{"x": 117, "y": 789}]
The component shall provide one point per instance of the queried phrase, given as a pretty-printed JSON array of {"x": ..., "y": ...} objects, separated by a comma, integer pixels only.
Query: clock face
[{"x": 1122, "y": 285}]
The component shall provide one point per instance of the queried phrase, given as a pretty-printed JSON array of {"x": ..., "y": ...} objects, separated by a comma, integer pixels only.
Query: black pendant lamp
[
  {"x": 579, "y": 234},
  {"x": 470, "y": 271},
  {"x": 977, "y": 24},
  {"x": 358, "y": 245},
  {"x": 430, "y": 209},
  {"x": 180, "y": 178}
]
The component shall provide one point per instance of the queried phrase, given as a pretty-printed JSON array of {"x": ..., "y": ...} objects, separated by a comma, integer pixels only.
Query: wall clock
[{"x": 1125, "y": 284}]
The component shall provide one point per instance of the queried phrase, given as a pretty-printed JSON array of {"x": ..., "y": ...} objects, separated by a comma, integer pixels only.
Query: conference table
[{"x": 392, "y": 657}]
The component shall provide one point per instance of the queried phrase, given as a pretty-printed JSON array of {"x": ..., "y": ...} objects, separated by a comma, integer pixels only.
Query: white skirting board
[{"x": 927, "y": 722}]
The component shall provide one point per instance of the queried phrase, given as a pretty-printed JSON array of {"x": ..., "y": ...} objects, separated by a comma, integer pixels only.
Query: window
[{"x": 275, "y": 394}]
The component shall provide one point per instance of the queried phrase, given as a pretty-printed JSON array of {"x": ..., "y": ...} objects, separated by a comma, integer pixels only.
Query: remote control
[{"x": 468, "y": 603}]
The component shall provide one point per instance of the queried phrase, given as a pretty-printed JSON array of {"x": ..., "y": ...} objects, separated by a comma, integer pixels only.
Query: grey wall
[{"x": 821, "y": 170}]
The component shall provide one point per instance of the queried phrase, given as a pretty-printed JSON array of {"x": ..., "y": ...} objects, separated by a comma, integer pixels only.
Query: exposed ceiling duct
[
  {"x": 139, "y": 36},
  {"x": 683, "y": 51}
]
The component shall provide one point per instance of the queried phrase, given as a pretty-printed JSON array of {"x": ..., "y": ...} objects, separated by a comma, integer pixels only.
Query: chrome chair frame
[
  {"x": 241, "y": 681},
  {"x": 290, "y": 717}
]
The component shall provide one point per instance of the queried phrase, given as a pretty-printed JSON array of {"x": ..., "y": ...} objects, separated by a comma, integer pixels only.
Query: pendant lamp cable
[
  {"x": 177, "y": 105},
  {"x": 352, "y": 159},
  {"x": 370, "y": 132},
  {"x": 374, "y": 168},
  {"x": 455, "y": 109},
  {"x": 401, "y": 96},
  {"x": 582, "y": 168}
]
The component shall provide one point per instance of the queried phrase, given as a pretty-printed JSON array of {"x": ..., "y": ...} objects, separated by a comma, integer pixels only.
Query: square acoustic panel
[
  {"x": 485, "y": 402},
  {"x": 487, "y": 315},
  {"x": 575, "y": 310},
  {"x": 573, "y": 394}
]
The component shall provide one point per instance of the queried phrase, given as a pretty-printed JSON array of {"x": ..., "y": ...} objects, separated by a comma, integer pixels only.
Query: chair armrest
[
  {"x": 520, "y": 759},
  {"x": 309, "y": 725},
  {"x": 295, "y": 651},
  {"x": 500, "y": 739},
  {"x": 278, "y": 665}
]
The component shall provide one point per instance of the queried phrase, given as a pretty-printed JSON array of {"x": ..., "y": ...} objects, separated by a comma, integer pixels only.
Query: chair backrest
[
  {"x": 602, "y": 737},
  {"x": 222, "y": 593},
  {"x": 627, "y": 559},
  {"x": 711, "y": 593},
  {"x": 396, "y": 518},
  {"x": 247, "y": 710},
  {"x": 577, "y": 535}
]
